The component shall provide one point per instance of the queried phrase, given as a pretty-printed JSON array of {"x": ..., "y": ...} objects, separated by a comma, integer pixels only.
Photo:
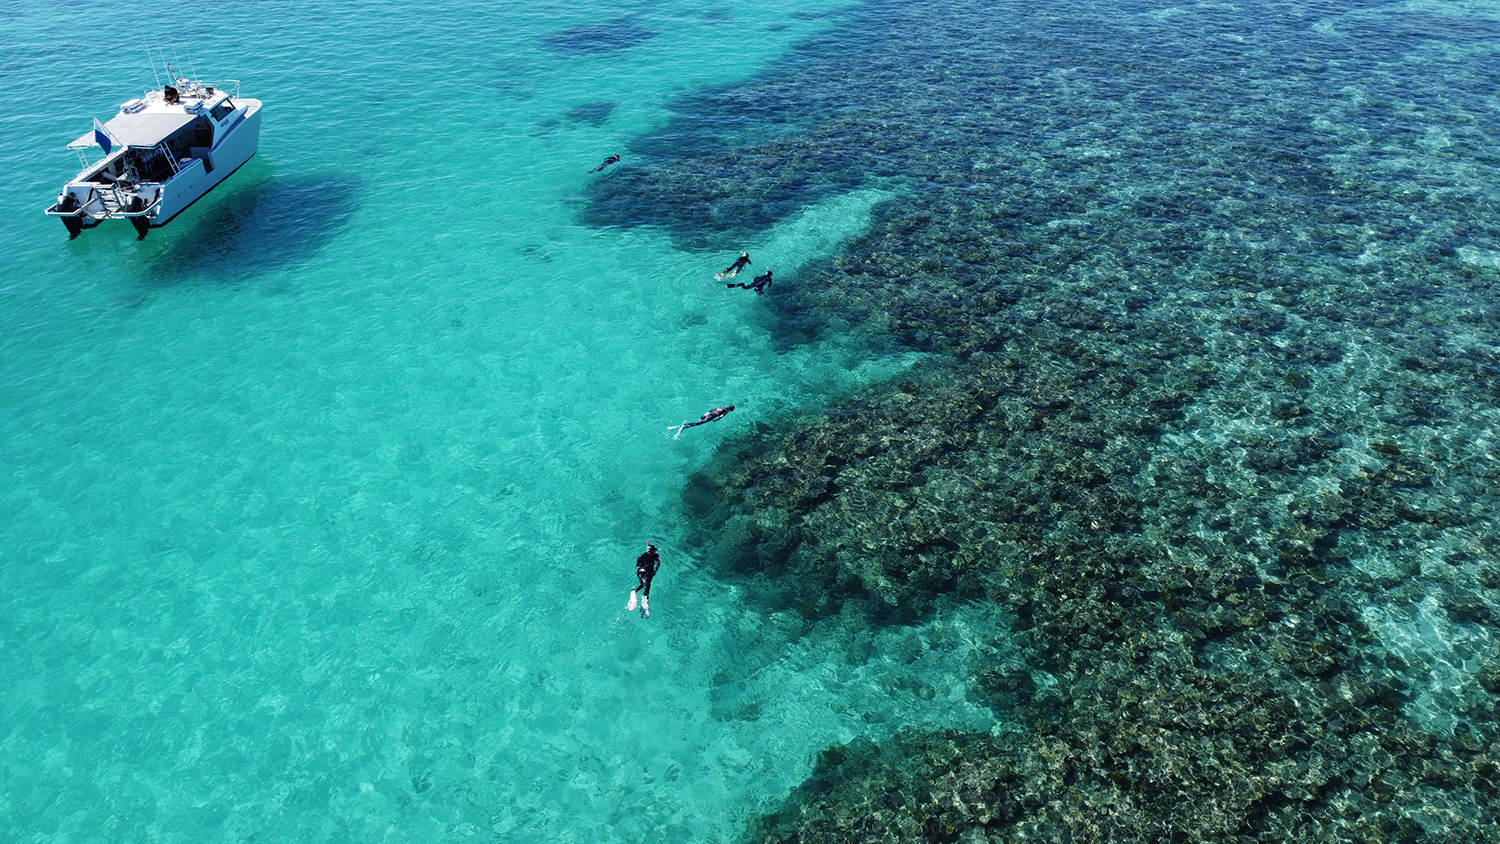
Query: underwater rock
[
  {"x": 1488, "y": 577},
  {"x": 1467, "y": 608}
]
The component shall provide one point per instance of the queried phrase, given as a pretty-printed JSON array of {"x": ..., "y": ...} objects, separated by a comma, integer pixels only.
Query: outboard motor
[
  {"x": 67, "y": 202},
  {"x": 142, "y": 225}
]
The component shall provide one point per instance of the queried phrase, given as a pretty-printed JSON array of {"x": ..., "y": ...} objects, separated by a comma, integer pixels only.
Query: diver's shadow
[{"x": 271, "y": 223}]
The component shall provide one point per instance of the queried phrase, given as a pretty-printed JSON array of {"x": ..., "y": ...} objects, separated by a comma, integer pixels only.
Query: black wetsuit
[
  {"x": 758, "y": 285},
  {"x": 739, "y": 264},
  {"x": 716, "y": 413},
  {"x": 608, "y": 161},
  {"x": 645, "y": 569}
]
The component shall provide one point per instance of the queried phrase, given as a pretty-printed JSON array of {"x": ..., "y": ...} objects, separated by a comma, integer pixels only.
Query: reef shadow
[{"x": 622, "y": 33}]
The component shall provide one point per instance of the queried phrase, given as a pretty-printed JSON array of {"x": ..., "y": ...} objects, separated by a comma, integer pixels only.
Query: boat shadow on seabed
[{"x": 270, "y": 224}]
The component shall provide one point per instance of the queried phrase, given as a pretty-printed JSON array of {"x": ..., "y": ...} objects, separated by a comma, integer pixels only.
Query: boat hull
[{"x": 195, "y": 180}]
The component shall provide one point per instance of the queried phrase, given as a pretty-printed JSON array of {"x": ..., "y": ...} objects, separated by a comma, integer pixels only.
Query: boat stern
[
  {"x": 71, "y": 210},
  {"x": 85, "y": 204}
]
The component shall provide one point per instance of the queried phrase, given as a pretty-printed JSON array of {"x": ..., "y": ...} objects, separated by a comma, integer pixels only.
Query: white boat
[{"x": 161, "y": 153}]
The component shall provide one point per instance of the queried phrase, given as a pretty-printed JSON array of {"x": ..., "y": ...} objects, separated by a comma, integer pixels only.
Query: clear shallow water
[{"x": 321, "y": 502}]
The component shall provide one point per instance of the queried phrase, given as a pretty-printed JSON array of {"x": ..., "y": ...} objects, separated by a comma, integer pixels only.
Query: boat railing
[
  {"x": 56, "y": 210},
  {"x": 202, "y": 89}
]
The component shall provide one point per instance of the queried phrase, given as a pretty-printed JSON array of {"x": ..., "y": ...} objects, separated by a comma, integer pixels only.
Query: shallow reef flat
[{"x": 1209, "y": 411}]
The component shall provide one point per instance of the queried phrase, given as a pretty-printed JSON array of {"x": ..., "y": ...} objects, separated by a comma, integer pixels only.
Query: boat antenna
[
  {"x": 175, "y": 56},
  {"x": 166, "y": 63},
  {"x": 154, "y": 75},
  {"x": 193, "y": 70}
]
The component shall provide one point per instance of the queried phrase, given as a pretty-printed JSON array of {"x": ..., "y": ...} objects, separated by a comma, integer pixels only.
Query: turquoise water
[{"x": 321, "y": 503}]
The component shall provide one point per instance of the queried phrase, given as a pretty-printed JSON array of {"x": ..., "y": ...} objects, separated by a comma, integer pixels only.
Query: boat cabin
[{"x": 150, "y": 143}]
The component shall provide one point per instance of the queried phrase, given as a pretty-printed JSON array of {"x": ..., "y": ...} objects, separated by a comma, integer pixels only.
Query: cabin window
[{"x": 221, "y": 110}]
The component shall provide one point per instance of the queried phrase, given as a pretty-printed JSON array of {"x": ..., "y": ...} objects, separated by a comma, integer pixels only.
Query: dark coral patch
[
  {"x": 593, "y": 113},
  {"x": 592, "y": 39}
]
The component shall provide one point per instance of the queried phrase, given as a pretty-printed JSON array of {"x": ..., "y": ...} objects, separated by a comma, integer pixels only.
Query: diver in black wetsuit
[
  {"x": 646, "y": 566},
  {"x": 758, "y": 285},
  {"x": 734, "y": 269},
  {"x": 711, "y": 416},
  {"x": 608, "y": 161}
]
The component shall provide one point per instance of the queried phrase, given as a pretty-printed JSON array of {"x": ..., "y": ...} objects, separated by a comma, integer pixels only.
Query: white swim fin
[
  {"x": 645, "y": 607},
  {"x": 631, "y": 606}
]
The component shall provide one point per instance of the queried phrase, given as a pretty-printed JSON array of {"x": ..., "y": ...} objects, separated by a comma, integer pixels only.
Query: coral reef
[
  {"x": 1191, "y": 669},
  {"x": 1210, "y": 383}
]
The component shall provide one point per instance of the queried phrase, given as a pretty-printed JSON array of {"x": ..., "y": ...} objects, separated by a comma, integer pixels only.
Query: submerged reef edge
[{"x": 1207, "y": 413}]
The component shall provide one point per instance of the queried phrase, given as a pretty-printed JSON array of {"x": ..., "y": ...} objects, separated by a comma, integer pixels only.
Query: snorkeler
[
  {"x": 608, "y": 161},
  {"x": 758, "y": 285},
  {"x": 712, "y": 415},
  {"x": 646, "y": 566},
  {"x": 734, "y": 269}
]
